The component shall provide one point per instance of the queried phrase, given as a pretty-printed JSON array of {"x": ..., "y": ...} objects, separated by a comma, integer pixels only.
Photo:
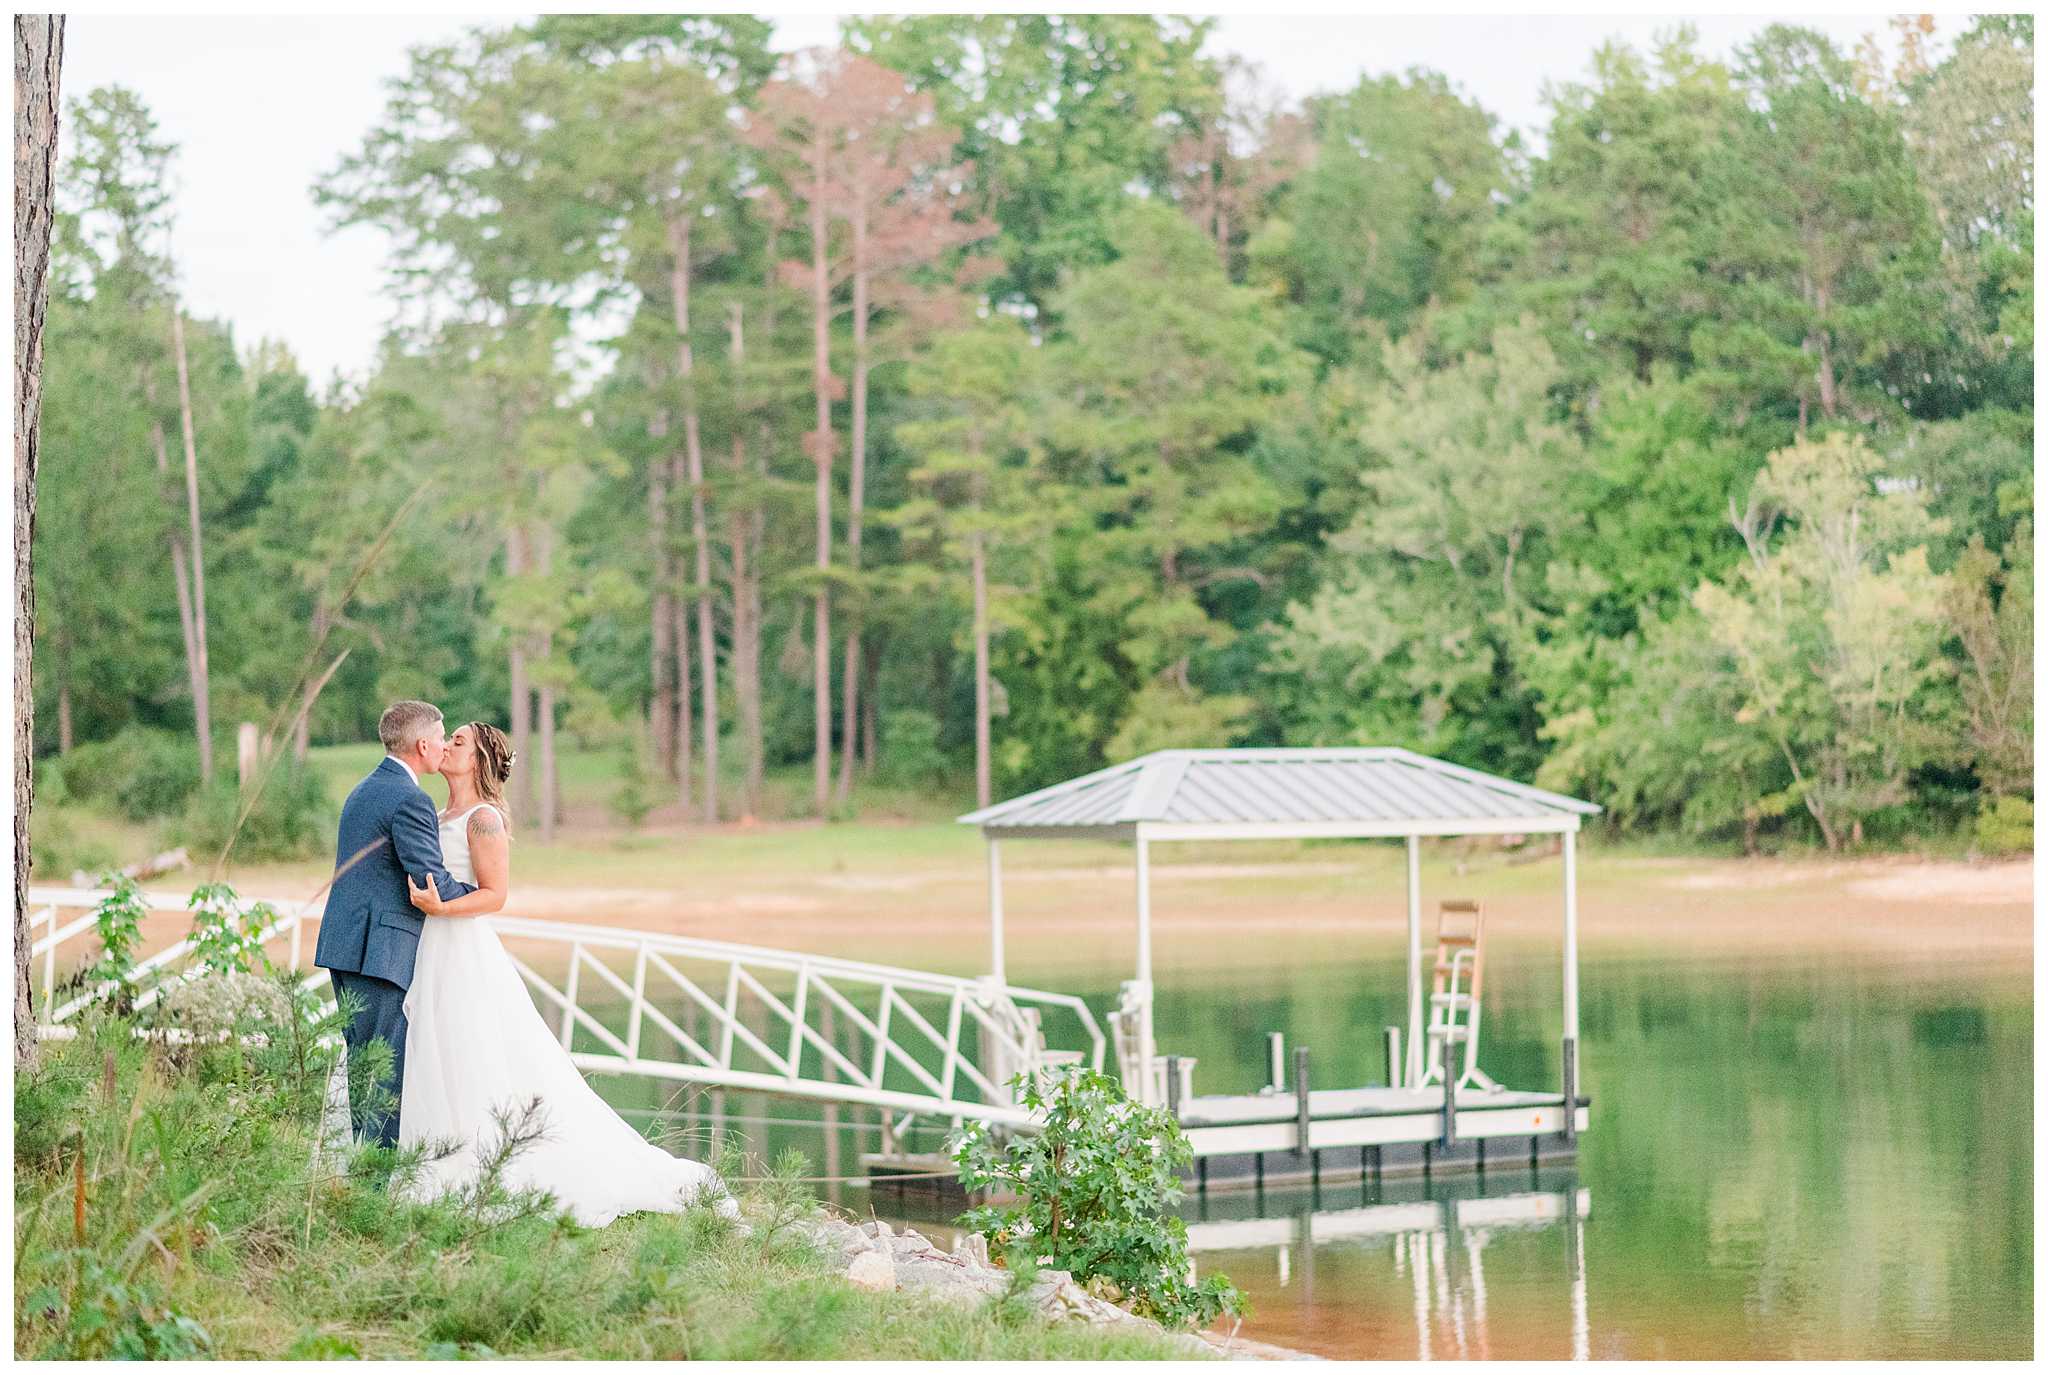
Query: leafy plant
[
  {"x": 224, "y": 935},
  {"x": 110, "y": 1315},
  {"x": 1093, "y": 1186},
  {"x": 118, "y": 919}
]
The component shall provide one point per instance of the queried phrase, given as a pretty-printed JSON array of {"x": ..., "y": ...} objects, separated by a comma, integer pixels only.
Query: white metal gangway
[{"x": 714, "y": 1013}]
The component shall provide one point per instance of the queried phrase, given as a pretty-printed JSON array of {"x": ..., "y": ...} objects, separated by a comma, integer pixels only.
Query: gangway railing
[
  {"x": 153, "y": 976},
  {"x": 718, "y": 1014}
]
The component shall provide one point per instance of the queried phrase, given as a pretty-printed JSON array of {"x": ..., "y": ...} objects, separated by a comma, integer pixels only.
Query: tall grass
[{"x": 169, "y": 1202}]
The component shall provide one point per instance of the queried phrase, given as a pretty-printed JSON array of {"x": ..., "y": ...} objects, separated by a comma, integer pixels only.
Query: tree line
[{"x": 994, "y": 397}]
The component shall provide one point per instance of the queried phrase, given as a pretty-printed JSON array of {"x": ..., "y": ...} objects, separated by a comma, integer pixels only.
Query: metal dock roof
[{"x": 1249, "y": 793}]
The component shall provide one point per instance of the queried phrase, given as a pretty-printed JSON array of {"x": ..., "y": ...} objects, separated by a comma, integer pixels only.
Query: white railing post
[
  {"x": 1416, "y": 1066},
  {"x": 882, "y": 1036},
  {"x": 298, "y": 926},
  {"x": 50, "y": 967},
  {"x": 732, "y": 1012},
  {"x": 1146, "y": 1048},
  {"x": 639, "y": 1001},
  {"x": 947, "y": 1075},
  {"x": 569, "y": 994},
  {"x": 796, "y": 1021}
]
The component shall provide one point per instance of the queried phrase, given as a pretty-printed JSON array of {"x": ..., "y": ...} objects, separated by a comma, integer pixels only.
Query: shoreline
[{"x": 930, "y": 911}]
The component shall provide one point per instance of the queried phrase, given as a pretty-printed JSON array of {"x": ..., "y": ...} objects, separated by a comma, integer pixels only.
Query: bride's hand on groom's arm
[{"x": 427, "y": 899}]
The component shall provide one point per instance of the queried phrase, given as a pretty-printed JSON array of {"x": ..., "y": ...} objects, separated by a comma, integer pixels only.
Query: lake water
[{"x": 1793, "y": 1156}]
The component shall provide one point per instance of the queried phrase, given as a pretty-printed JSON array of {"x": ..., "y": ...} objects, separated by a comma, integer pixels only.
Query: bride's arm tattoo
[{"x": 488, "y": 858}]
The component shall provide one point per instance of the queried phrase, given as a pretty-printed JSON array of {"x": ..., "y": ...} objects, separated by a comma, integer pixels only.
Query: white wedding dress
[{"x": 476, "y": 1045}]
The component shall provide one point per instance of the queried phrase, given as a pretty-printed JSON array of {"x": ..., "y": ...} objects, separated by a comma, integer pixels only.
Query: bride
[{"x": 478, "y": 1051}]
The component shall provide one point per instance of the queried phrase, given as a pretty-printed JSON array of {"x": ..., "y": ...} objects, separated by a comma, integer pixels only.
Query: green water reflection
[{"x": 1792, "y": 1157}]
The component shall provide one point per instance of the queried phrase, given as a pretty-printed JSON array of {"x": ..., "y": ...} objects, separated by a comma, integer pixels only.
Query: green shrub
[
  {"x": 289, "y": 820},
  {"x": 2005, "y": 827},
  {"x": 217, "y": 1002},
  {"x": 56, "y": 847},
  {"x": 633, "y": 798},
  {"x": 1093, "y": 1185},
  {"x": 913, "y": 758},
  {"x": 141, "y": 772}
]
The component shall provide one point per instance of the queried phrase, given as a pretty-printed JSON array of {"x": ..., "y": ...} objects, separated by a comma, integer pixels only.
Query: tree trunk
[
  {"x": 870, "y": 705},
  {"x": 521, "y": 800},
  {"x": 821, "y": 380},
  {"x": 849, "y": 711},
  {"x": 1827, "y": 377},
  {"x": 693, "y": 450},
  {"x": 707, "y": 646},
  {"x": 746, "y": 599},
  {"x": 180, "y": 579},
  {"x": 38, "y": 60},
  {"x": 202, "y": 707},
  {"x": 979, "y": 557},
  {"x": 662, "y": 700},
  {"x": 752, "y": 740},
  {"x": 64, "y": 736},
  {"x": 686, "y": 707},
  {"x": 550, "y": 783}
]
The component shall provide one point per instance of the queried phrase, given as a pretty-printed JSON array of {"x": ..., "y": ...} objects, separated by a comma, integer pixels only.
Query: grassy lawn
[{"x": 170, "y": 1207}]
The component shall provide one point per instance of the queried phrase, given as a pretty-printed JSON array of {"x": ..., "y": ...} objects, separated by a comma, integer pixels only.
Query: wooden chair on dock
[{"x": 1454, "y": 994}]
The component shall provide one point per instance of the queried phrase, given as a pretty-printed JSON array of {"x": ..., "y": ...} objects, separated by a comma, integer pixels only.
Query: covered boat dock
[{"x": 1316, "y": 793}]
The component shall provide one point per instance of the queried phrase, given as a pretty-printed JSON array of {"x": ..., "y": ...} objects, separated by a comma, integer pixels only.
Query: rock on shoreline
[{"x": 876, "y": 1258}]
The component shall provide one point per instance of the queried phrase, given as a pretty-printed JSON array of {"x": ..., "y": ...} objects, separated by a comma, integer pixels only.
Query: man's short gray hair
[{"x": 404, "y": 724}]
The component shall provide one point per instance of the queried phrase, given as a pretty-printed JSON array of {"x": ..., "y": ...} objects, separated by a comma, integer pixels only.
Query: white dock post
[
  {"x": 1144, "y": 966},
  {"x": 1571, "y": 982},
  {"x": 1414, "y": 1076},
  {"x": 995, "y": 911}
]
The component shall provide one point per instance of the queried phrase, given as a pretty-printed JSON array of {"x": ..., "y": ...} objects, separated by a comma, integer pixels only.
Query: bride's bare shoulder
[{"x": 486, "y": 820}]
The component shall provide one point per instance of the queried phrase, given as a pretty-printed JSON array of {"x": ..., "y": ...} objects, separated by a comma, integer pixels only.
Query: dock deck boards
[{"x": 1246, "y": 1108}]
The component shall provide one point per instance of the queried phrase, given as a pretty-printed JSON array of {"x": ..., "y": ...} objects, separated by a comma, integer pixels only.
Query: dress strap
[{"x": 454, "y": 820}]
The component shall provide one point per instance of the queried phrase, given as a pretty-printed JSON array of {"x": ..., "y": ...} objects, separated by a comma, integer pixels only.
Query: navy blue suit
[{"x": 370, "y": 931}]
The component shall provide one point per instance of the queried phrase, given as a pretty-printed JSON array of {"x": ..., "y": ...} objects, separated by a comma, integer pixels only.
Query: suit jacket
[{"x": 370, "y": 925}]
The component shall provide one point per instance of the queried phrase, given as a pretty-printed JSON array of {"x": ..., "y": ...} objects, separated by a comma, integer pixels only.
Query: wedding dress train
[{"x": 478, "y": 1051}]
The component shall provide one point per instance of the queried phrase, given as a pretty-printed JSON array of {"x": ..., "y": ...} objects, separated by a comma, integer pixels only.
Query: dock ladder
[{"x": 1455, "y": 993}]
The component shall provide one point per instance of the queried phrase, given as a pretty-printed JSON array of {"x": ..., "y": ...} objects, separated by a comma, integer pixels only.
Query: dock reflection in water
[{"x": 1399, "y": 1270}]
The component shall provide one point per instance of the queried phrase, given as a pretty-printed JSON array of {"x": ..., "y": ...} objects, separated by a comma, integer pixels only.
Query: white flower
[{"x": 214, "y": 1002}]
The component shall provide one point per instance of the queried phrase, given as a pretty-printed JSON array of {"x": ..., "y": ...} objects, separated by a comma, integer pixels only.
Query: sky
[{"x": 261, "y": 107}]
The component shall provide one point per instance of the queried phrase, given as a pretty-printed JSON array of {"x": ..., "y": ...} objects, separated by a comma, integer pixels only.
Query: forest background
[{"x": 990, "y": 398}]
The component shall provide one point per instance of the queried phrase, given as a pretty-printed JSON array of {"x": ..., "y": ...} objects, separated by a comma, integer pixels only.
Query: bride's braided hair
[{"x": 494, "y": 761}]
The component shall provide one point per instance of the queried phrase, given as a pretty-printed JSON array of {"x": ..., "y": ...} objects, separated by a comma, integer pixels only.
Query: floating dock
[{"x": 1290, "y": 1130}]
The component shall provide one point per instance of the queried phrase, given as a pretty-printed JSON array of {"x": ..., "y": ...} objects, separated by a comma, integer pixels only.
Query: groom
[{"x": 370, "y": 930}]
